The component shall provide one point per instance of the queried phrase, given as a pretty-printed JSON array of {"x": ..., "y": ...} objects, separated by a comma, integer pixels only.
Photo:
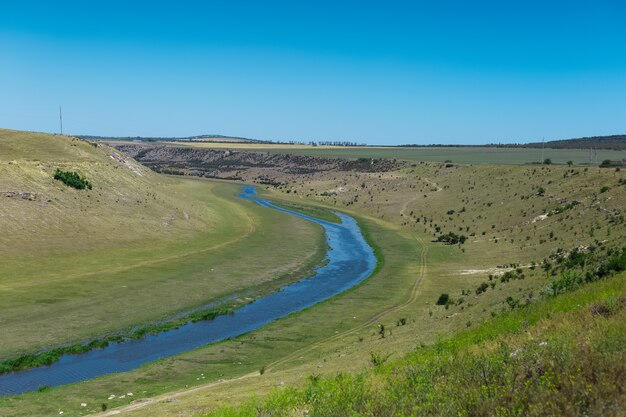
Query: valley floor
[{"x": 521, "y": 226}]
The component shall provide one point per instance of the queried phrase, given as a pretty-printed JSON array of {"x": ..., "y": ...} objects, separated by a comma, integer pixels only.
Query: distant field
[{"x": 461, "y": 155}]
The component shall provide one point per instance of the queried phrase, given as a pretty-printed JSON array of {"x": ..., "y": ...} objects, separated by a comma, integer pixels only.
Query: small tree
[
  {"x": 443, "y": 299},
  {"x": 547, "y": 161},
  {"x": 570, "y": 163},
  {"x": 72, "y": 179},
  {"x": 482, "y": 288}
]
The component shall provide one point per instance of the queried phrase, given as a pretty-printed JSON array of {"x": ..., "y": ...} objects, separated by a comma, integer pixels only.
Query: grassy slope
[
  {"x": 561, "y": 356},
  {"x": 137, "y": 248},
  {"x": 461, "y": 155}
]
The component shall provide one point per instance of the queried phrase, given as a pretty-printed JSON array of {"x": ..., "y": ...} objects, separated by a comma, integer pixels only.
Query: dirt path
[
  {"x": 406, "y": 203},
  {"x": 412, "y": 297}
]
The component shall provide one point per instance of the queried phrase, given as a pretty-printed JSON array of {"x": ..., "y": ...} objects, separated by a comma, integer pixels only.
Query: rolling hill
[{"x": 536, "y": 278}]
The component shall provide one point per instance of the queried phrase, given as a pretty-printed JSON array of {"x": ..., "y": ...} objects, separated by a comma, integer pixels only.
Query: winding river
[{"x": 350, "y": 261}]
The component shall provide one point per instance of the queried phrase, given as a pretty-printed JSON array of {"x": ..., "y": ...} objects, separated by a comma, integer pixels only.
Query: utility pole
[
  {"x": 543, "y": 145},
  {"x": 61, "y": 118}
]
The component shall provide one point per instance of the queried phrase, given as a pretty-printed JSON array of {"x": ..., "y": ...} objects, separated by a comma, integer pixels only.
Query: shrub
[
  {"x": 72, "y": 179},
  {"x": 443, "y": 300},
  {"x": 452, "y": 238},
  {"x": 482, "y": 288},
  {"x": 568, "y": 281}
]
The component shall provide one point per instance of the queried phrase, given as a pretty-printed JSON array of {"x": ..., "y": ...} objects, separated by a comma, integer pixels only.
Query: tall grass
[{"x": 562, "y": 356}]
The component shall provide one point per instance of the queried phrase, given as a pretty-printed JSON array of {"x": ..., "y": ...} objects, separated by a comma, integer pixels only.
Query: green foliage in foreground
[
  {"x": 562, "y": 356},
  {"x": 51, "y": 356},
  {"x": 580, "y": 267},
  {"x": 72, "y": 179}
]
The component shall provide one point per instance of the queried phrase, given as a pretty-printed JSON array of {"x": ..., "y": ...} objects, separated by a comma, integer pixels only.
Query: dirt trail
[{"x": 417, "y": 195}]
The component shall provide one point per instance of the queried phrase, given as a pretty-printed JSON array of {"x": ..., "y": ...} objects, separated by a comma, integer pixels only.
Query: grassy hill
[
  {"x": 199, "y": 138},
  {"x": 137, "y": 248},
  {"x": 614, "y": 142}
]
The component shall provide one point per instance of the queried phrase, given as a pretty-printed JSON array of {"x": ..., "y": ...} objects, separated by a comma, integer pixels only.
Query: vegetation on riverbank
[
  {"x": 51, "y": 356},
  {"x": 309, "y": 210}
]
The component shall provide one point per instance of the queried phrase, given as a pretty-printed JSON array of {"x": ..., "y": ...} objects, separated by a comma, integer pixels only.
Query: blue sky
[{"x": 369, "y": 71}]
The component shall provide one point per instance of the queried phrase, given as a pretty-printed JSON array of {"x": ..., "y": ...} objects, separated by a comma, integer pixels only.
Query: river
[{"x": 350, "y": 261}]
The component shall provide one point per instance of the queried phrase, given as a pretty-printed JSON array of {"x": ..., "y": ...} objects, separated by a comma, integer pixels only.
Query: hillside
[
  {"x": 614, "y": 142},
  {"x": 198, "y": 138},
  {"x": 562, "y": 356},
  {"x": 137, "y": 248}
]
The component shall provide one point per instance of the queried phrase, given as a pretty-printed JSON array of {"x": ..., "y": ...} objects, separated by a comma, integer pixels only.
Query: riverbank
[
  {"x": 349, "y": 261},
  {"x": 248, "y": 353}
]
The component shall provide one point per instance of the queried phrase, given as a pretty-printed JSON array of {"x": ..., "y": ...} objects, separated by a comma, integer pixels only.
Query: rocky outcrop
[{"x": 235, "y": 164}]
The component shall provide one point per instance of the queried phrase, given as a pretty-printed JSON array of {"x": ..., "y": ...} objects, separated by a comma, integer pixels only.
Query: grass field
[
  {"x": 139, "y": 247},
  {"x": 460, "y": 155},
  {"x": 513, "y": 217},
  {"x": 563, "y": 356}
]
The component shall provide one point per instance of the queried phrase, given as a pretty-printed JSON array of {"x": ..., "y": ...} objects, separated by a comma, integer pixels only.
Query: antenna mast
[{"x": 61, "y": 119}]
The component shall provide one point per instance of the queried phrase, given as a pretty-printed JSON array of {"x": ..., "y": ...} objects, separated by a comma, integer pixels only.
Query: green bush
[
  {"x": 482, "y": 288},
  {"x": 443, "y": 299},
  {"x": 452, "y": 238},
  {"x": 72, "y": 179}
]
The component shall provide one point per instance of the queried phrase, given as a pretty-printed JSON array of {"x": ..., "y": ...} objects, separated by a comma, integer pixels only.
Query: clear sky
[{"x": 379, "y": 72}]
